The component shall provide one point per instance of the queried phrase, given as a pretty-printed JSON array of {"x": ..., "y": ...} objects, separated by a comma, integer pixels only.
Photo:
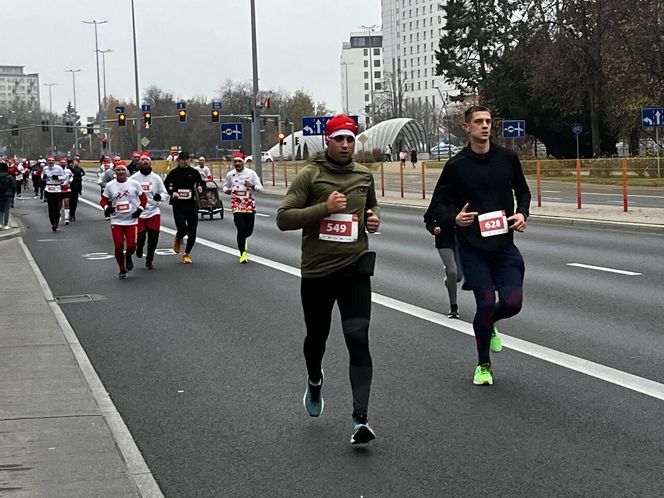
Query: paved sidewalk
[{"x": 60, "y": 435}]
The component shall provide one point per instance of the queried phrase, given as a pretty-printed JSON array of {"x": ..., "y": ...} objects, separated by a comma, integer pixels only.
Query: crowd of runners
[{"x": 479, "y": 202}]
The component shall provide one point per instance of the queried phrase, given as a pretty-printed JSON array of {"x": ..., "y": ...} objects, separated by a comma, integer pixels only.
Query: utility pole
[
  {"x": 51, "y": 123},
  {"x": 99, "y": 110},
  {"x": 139, "y": 145},
  {"x": 73, "y": 80},
  {"x": 256, "y": 124},
  {"x": 103, "y": 67}
]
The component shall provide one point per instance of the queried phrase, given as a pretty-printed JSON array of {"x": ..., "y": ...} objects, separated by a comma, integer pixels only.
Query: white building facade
[
  {"x": 411, "y": 31},
  {"x": 18, "y": 88},
  {"x": 361, "y": 67}
]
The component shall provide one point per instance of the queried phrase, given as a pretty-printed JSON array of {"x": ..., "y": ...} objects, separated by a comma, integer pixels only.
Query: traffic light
[
  {"x": 147, "y": 119},
  {"x": 15, "y": 130},
  {"x": 297, "y": 140},
  {"x": 281, "y": 138},
  {"x": 69, "y": 127},
  {"x": 215, "y": 116},
  {"x": 122, "y": 119},
  {"x": 91, "y": 128},
  {"x": 182, "y": 115},
  {"x": 44, "y": 125},
  {"x": 104, "y": 143}
]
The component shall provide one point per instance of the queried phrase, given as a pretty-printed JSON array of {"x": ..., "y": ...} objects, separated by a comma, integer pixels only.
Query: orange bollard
[
  {"x": 624, "y": 177},
  {"x": 382, "y": 179},
  {"x": 578, "y": 183},
  {"x": 538, "y": 176}
]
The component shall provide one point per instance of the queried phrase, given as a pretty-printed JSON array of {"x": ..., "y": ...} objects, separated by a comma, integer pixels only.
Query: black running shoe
[
  {"x": 454, "y": 311},
  {"x": 149, "y": 265},
  {"x": 130, "y": 263},
  {"x": 362, "y": 432}
]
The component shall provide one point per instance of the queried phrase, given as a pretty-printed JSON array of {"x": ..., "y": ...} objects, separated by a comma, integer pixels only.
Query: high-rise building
[
  {"x": 361, "y": 70},
  {"x": 18, "y": 88},
  {"x": 411, "y": 31}
]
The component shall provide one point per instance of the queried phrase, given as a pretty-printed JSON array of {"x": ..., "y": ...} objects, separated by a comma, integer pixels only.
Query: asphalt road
[{"x": 204, "y": 363}]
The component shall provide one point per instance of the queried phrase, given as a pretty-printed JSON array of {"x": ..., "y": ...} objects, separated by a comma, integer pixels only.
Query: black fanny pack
[{"x": 366, "y": 264}]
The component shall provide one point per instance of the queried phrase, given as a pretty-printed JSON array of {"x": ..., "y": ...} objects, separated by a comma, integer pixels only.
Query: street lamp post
[
  {"x": 449, "y": 121},
  {"x": 256, "y": 124},
  {"x": 103, "y": 72},
  {"x": 99, "y": 110},
  {"x": 371, "y": 70},
  {"x": 73, "y": 80},
  {"x": 139, "y": 145},
  {"x": 50, "y": 103}
]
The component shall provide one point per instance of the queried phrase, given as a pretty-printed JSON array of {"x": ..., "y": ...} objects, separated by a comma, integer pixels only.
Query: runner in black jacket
[
  {"x": 182, "y": 184},
  {"x": 477, "y": 190}
]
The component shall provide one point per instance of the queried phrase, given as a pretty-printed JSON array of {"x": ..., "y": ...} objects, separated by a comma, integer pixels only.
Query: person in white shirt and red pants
[{"x": 124, "y": 201}]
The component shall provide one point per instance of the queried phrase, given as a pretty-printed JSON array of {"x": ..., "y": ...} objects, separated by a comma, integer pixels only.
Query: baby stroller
[{"x": 209, "y": 202}]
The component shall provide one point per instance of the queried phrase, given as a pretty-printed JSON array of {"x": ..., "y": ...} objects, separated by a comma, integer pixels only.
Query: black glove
[
  {"x": 56, "y": 177},
  {"x": 137, "y": 213},
  {"x": 156, "y": 197},
  {"x": 431, "y": 226},
  {"x": 108, "y": 210}
]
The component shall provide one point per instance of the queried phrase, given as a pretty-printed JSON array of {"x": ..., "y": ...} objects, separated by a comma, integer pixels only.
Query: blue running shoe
[
  {"x": 313, "y": 398},
  {"x": 362, "y": 431}
]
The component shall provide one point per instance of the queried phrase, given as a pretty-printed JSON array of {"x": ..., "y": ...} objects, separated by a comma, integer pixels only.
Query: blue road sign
[
  {"x": 216, "y": 105},
  {"x": 515, "y": 128},
  {"x": 181, "y": 105},
  {"x": 119, "y": 109},
  {"x": 652, "y": 116},
  {"x": 315, "y": 125},
  {"x": 231, "y": 131},
  {"x": 577, "y": 128},
  {"x": 145, "y": 107}
]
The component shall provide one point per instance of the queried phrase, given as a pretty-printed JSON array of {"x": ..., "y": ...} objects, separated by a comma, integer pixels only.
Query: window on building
[
  {"x": 366, "y": 75},
  {"x": 378, "y": 86},
  {"x": 376, "y": 51},
  {"x": 366, "y": 52},
  {"x": 366, "y": 63},
  {"x": 366, "y": 86},
  {"x": 377, "y": 74},
  {"x": 425, "y": 84},
  {"x": 366, "y": 97},
  {"x": 376, "y": 62}
]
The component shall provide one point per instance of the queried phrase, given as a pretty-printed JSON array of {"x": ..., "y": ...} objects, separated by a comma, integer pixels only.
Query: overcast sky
[{"x": 187, "y": 47}]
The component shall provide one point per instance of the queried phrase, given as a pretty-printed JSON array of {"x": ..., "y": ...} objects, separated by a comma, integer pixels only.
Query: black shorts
[{"x": 491, "y": 269}]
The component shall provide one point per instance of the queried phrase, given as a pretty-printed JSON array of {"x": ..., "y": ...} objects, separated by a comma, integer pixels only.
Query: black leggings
[
  {"x": 73, "y": 204},
  {"x": 186, "y": 221},
  {"x": 153, "y": 240},
  {"x": 352, "y": 293},
  {"x": 489, "y": 312},
  {"x": 244, "y": 222},
  {"x": 54, "y": 202}
]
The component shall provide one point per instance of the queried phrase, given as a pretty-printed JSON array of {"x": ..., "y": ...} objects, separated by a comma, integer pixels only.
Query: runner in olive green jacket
[{"x": 333, "y": 201}]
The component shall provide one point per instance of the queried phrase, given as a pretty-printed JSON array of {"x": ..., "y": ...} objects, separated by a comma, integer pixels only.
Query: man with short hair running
[
  {"x": 53, "y": 177},
  {"x": 477, "y": 190},
  {"x": 150, "y": 219},
  {"x": 182, "y": 184},
  {"x": 240, "y": 184},
  {"x": 333, "y": 201},
  {"x": 123, "y": 201}
]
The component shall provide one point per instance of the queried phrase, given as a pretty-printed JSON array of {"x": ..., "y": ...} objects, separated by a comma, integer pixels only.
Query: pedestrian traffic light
[
  {"x": 182, "y": 115},
  {"x": 147, "y": 119},
  {"x": 44, "y": 125},
  {"x": 215, "y": 116},
  {"x": 15, "y": 130},
  {"x": 122, "y": 119},
  {"x": 281, "y": 138},
  {"x": 69, "y": 127},
  {"x": 104, "y": 143}
]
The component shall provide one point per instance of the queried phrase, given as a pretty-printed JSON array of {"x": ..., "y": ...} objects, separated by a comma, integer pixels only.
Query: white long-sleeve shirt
[{"x": 151, "y": 184}]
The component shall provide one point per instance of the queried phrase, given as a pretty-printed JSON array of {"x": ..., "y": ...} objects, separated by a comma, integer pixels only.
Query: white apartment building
[
  {"x": 361, "y": 67},
  {"x": 18, "y": 88},
  {"x": 411, "y": 31}
]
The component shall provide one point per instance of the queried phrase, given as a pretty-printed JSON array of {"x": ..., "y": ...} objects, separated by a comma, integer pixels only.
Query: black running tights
[
  {"x": 489, "y": 312},
  {"x": 186, "y": 221},
  {"x": 54, "y": 202},
  {"x": 244, "y": 222},
  {"x": 153, "y": 240},
  {"x": 352, "y": 293}
]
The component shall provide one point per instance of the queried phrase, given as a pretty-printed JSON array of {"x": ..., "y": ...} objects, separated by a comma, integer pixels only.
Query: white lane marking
[
  {"x": 136, "y": 466},
  {"x": 602, "y": 268},
  {"x": 590, "y": 368},
  {"x": 50, "y": 240}
]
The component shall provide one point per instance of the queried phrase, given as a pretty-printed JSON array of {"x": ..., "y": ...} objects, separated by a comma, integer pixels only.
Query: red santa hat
[
  {"x": 340, "y": 125},
  {"x": 238, "y": 155}
]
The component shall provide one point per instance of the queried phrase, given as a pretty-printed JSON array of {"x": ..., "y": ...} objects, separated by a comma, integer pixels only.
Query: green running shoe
[
  {"x": 483, "y": 375},
  {"x": 496, "y": 342}
]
